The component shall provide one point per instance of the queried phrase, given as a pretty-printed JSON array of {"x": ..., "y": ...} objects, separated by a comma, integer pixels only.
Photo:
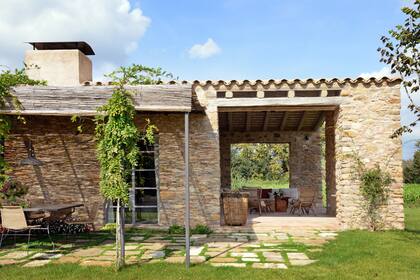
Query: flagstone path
[{"x": 271, "y": 250}]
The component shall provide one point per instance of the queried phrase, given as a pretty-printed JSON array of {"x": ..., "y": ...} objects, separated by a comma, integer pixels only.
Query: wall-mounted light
[{"x": 31, "y": 159}]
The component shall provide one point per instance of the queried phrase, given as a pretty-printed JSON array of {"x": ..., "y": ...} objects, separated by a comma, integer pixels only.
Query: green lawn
[
  {"x": 255, "y": 183},
  {"x": 353, "y": 255}
]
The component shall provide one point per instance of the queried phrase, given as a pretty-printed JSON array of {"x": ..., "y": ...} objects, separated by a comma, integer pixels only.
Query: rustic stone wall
[
  {"x": 363, "y": 127},
  {"x": 71, "y": 172},
  {"x": 304, "y": 156},
  {"x": 204, "y": 170}
]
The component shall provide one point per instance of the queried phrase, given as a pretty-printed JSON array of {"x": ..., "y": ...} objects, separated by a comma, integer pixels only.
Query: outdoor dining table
[{"x": 54, "y": 209}]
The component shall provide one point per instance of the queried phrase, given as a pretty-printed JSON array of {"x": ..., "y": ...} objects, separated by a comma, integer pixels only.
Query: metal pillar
[{"x": 187, "y": 189}]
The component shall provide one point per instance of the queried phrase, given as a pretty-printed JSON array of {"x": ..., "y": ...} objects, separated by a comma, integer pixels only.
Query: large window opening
[
  {"x": 260, "y": 165},
  {"x": 144, "y": 192}
]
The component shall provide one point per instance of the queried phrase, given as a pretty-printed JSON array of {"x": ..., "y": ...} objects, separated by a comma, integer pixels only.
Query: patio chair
[
  {"x": 14, "y": 221},
  {"x": 263, "y": 203},
  {"x": 305, "y": 203}
]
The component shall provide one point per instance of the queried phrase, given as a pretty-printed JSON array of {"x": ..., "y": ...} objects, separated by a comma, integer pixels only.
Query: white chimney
[{"x": 59, "y": 63}]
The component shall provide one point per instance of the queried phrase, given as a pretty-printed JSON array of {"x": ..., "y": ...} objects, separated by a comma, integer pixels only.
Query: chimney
[{"x": 60, "y": 63}]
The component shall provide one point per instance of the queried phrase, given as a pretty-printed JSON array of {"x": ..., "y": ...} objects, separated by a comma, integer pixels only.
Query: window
[{"x": 144, "y": 192}]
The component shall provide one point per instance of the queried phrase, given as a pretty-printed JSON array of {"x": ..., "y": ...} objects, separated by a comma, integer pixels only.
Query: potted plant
[
  {"x": 235, "y": 207},
  {"x": 281, "y": 202}
]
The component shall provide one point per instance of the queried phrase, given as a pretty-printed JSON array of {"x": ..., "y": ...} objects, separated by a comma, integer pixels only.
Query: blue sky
[
  {"x": 218, "y": 39},
  {"x": 267, "y": 39}
]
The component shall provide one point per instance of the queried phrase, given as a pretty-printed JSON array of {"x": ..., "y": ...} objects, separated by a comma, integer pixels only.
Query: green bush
[
  {"x": 111, "y": 227},
  {"x": 198, "y": 229},
  {"x": 412, "y": 195},
  {"x": 201, "y": 229},
  {"x": 176, "y": 229}
]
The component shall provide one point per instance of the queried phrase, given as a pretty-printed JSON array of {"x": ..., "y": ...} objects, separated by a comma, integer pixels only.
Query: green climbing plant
[
  {"x": 374, "y": 187},
  {"x": 8, "y": 79},
  {"x": 117, "y": 137}
]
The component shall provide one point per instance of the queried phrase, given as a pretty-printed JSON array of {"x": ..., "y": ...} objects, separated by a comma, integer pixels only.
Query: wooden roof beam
[
  {"x": 248, "y": 121},
  {"x": 301, "y": 121},
  {"x": 319, "y": 121},
  {"x": 266, "y": 120},
  {"x": 229, "y": 121},
  {"x": 283, "y": 121}
]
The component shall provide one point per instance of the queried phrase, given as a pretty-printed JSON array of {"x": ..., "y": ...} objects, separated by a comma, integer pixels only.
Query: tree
[
  {"x": 400, "y": 51},
  {"x": 259, "y": 161},
  {"x": 117, "y": 138},
  {"x": 411, "y": 168}
]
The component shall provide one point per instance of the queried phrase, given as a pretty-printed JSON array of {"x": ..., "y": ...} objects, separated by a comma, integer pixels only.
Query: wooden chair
[
  {"x": 14, "y": 221},
  {"x": 263, "y": 203},
  {"x": 305, "y": 203}
]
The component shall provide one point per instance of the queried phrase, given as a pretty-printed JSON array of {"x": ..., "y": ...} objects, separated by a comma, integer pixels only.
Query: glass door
[{"x": 144, "y": 192}]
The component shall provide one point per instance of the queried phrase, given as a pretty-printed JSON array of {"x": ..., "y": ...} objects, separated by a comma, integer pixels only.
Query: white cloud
[
  {"x": 206, "y": 50},
  {"x": 384, "y": 72},
  {"x": 112, "y": 27}
]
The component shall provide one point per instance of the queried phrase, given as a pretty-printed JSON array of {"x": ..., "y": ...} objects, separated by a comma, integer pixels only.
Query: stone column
[
  {"x": 330, "y": 162},
  {"x": 365, "y": 123}
]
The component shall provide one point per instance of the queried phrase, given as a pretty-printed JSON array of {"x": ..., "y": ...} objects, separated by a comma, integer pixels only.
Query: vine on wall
[{"x": 117, "y": 138}]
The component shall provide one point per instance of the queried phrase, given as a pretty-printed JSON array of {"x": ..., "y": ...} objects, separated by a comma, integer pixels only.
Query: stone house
[{"x": 359, "y": 117}]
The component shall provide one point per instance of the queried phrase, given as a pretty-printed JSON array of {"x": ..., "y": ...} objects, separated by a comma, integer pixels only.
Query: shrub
[
  {"x": 375, "y": 189},
  {"x": 412, "y": 195},
  {"x": 176, "y": 229},
  {"x": 12, "y": 192},
  {"x": 109, "y": 227},
  {"x": 198, "y": 229},
  {"x": 201, "y": 229}
]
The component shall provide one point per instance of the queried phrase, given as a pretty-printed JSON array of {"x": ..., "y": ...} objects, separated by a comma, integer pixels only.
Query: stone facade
[
  {"x": 363, "y": 127},
  {"x": 70, "y": 172},
  {"x": 361, "y": 124}
]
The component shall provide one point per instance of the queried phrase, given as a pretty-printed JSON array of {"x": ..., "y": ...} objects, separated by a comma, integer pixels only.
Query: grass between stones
[{"x": 352, "y": 255}]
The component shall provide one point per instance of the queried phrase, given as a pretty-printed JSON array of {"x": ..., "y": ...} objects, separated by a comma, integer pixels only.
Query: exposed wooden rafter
[
  {"x": 319, "y": 121},
  {"x": 284, "y": 121},
  {"x": 248, "y": 121},
  {"x": 229, "y": 121},
  {"x": 266, "y": 120},
  {"x": 302, "y": 121}
]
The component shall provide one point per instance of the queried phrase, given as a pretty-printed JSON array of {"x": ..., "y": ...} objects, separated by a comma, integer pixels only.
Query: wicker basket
[{"x": 235, "y": 208}]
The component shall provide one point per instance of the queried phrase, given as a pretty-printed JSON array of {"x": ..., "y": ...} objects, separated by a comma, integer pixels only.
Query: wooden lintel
[
  {"x": 283, "y": 121},
  {"x": 302, "y": 120},
  {"x": 279, "y": 102},
  {"x": 266, "y": 120},
  {"x": 277, "y": 108}
]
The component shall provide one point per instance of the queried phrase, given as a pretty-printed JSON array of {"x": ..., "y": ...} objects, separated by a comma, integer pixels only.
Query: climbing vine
[
  {"x": 117, "y": 138},
  {"x": 9, "y": 79},
  {"x": 374, "y": 188}
]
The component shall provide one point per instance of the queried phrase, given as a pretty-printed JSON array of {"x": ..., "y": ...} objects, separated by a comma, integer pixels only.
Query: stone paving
[{"x": 271, "y": 250}]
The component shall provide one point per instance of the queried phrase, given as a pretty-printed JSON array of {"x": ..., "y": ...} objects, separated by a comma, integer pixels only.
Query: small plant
[
  {"x": 12, "y": 192},
  {"x": 109, "y": 227},
  {"x": 374, "y": 188},
  {"x": 176, "y": 229},
  {"x": 201, "y": 229}
]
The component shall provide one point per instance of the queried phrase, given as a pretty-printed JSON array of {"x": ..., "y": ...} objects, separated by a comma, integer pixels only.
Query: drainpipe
[{"x": 187, "y": 189}]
